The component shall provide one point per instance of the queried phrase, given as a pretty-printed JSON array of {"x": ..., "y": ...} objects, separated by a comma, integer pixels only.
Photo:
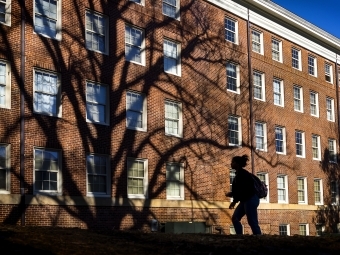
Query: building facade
[{"x": 126, "y": 114}]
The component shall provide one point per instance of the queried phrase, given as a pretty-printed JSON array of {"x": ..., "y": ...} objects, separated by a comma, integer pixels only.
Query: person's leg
[
  {"x": 236, "y": 218},
  {"x": 251, "y": 212}
]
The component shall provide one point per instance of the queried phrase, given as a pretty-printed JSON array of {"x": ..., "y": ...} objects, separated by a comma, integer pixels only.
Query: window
[
  {"x": 330, "y": 109},
  {"x": 171, "y": 8},
  {"x": 282, "y": 189},
  {"x": 300, "y": 144},
  {"x": 47, "y": 171},
  {"x": 171, "y": 57},
  {"x": 231, "y": 30},
  {"x": 316, "y": 147},
  {"x": 284, "y": 230},
  {"x": 296, "y": 56},
  {"x": 257, "y": 39},
  {"x": 232, "y": 175},
  {"x": 233, "y": 77},
  {"x": 280, "y": 140},
  {"x": 334, "y": 189},
  {"x": 141, "y": 2},
  {"x": 47, "y": 18},
  {"x": 259, "y": 88},
  {"x": 276, "y": 50},
  {"x": 318, "y": 192},
  {"x": 278, "y": 92},
  {"x": 314, "y": 104},
  {"x": 298, "y": 98},
  {"x": 5, "y": 12},
  {"x": 328, "y": 72},
  {"x": 332, "y": 150},
  {"x": 312, "y": 65},
  {"x": 5, "y": 165},
  {"x": 260, "y": 136},
  {"x": 97, "y": 106},
  {"x": 302, "y": 190},
  {"x": 98, "y": 175},
  {"x": 264, "y": 177},
  {"x": 5, "y": 85},
  {"x": 97, "y": 32},
  {"x": 303, "y": 230},
  {"x": 175, "y": 181},
  {"x": 320, "y": 229},
  {"x": 137, "y": 178},
  {"x": 234, "y": 131},
  {"x": 136, "y": 111},
  {"x": 173, "y": 118},
  {"x": 47, "y": 93},
  {"x": 134, "y": 45}
]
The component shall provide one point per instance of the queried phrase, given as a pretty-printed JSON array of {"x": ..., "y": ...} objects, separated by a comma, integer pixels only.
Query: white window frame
[
  {"x": 329, "y": 73},
  {"x": 6, "y": 85},
  {"x": 145, "y": 178},
  {"x": 321, "y": 231},
  {"x": 302, "y": 144},
  {"x": 261, "y": 136},
  {"x": 332, "y": 150},
  {"x": 8, "y": 12},
  {"x": 180, "y": 181},
  {"x": 287, "y": 226},
  {"x": 57, "y": 95},
  {"x": 230, "y": 31},
  {"x": 105, "y": 33},
  {"x": 330, "y": 109},
  {"x": 307, "y": 229},
  {"x": 95, "y": 157},
  {"x": 316, "y": 147},
  {"x": 278, "y": 92},
  {"x": 140, "y": 47},
  {"x": 284, "y": 189},
  {"x": 298, "y": 100},
  {"x": 239, "y": 130},
  {"x": 58, "y": 191},
  {"x": 176, "y": 58},
  {"x": 276, "y": 51},
  {"x": 58, "y": 21},
  {"x": 235, "y": 75},
  {"x": 315, "y": 104},
  {"x": 260, "y": 86},
  {"x": 264, "y": 176},
  {"x": 296, "y": 59},
  {"x": 169, "y": 118},
  {"x": 259, "y": 43},
  {"x": 320, "y": 191},
  {"x": 142, "y": 111},
  {"x": 312, "y": 66},
  {"x": 93, "y": 102},
  {"x": 283, "y": 140},
  {"x": 140, "y": 2},
  {"x": 232, "y": 175},
  {"x": 177, "y": 7},
  {"x": 302, "y": 190},
  {"x": 334, "y": 198},
  {"x": 6, "y": 148}
]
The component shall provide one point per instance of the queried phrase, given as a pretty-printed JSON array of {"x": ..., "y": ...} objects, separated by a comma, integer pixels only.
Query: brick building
[{"x": 126, "y": 114}]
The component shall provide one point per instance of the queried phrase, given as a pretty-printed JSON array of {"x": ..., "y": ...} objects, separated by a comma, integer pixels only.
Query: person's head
[{"x": 239, "y": 162}]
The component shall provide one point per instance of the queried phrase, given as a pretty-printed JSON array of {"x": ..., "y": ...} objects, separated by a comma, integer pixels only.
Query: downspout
[
  {"x": 251, "y": 119},
  {"x": 22, "y": 115}
]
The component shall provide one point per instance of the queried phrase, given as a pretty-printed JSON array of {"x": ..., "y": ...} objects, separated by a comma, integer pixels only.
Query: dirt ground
[{"x": 54, "y": 240}]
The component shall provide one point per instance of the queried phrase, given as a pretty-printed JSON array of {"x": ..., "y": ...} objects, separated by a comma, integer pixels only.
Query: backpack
[{"x": 260, "y": 187}]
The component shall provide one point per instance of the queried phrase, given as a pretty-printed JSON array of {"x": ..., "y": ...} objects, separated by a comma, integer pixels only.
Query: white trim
[
  {"x": 303, "y": 144},
  {"x": 307, "y": 228},
  {"x": 281, "y": 92},
  {"x": 287, "y": 228},
  {"x": 238, "y": 79},
  {"x": 330, "y": 72},
  {"x": 332, "y": 110},
  {"x": 236, "y": 37},
  {"x": 8, "y": 13},
  {"x": 142, "y": 46},
  {"x": 8, "y": 85},
  {"x": 143, "y": 111},
  {"x": 305, "y": 197},
  {"x": 178, "y": 9},
  {"x": 180, "y": 118},
  {"x": 7, "y": 147},
  {"x": 266, "y": 181},
  {"x": 180, "y": 181},
  {"x": 316, "y": 103},
  {"x": 239, "y": 131},
  {"x": 300, "y": 99},
  {"x": 280, "y": 49},
  {"x": 333, "y": 141},
  {"x": 264, "y": 127},
  {"x": 58, "y": 22},
  {"x": 272, "y": 26},
  {"x": 261, "y": 46},
  {"x": 318, "y": 147},
  {"x": 285, "y": 178},
  {"x": 283, "y": 141},
  {"x": 178, "y": 57},
  {"x": 107, "y": 103},
  {"x": 145, "y": 179},
  {"x": 263, "y": 87},
  {"x": 321, "y": 191},
  {"x": 315, "y": 65}
]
